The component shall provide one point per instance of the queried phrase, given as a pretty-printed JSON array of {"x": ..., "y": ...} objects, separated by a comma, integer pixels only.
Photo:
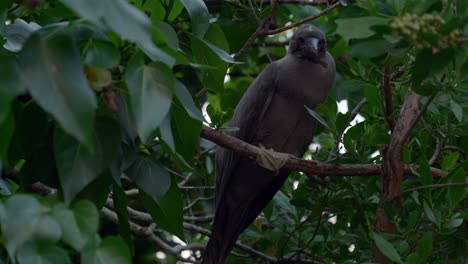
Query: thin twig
[
  {"x": 302, "y": 21},
  {"x": 438, "y": 185}
]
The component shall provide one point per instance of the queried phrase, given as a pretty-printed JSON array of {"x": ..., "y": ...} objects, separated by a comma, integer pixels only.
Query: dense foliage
[{"x": 100, "y": 148}]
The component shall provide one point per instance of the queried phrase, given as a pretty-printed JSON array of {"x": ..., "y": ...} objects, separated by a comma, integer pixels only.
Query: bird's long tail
[{"x": 226, "y": 229}]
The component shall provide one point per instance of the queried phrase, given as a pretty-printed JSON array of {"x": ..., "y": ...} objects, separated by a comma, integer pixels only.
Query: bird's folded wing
[{"x": 247, "y": 115}]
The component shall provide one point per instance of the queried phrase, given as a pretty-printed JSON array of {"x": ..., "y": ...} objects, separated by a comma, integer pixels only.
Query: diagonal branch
[{"x": 306, "y": 166}]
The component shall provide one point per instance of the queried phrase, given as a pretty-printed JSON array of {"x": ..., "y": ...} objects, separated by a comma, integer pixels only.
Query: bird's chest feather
[{"x": 302, "y": 83}]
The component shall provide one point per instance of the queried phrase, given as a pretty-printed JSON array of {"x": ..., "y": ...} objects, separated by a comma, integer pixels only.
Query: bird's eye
[
  {"x": 321, "y": 42},
  {"x": 301, "y": 40}
]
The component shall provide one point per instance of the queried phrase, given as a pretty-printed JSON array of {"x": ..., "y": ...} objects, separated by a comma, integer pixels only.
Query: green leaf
[
  {"x": 77, "y": 167},
  {"x": 17, "y": 33},
  {"x": 150, "y": 176},
  {"x": 456, "y": 110},
  {"x": 211, "y": 51},
  {"x": 456, "y": 194},
  {"x": 7, "y": 128},
  {"x": 425, "y": 175},
  {"x": 421, "y": 66},
  {"x": 185, "y": 131},
  {"x": 168, "y": 214},
  {"x": 11, "y": 85},
  {"x": 150, "y": 89},
  {"x": 357, "y": 28},
  {"x": 23, "y": 220},
  {"x": 48, "y": 63},
  {"x": 79, "y": 223},
  {"x": 120, "y": 204},
  {"x": 386, "y": 248},
  {"x": 430, "y": 214},
  {"x": 450, "y": 160},
  {"x": 110, "y": 250},
  {"x": 199, "y": 15},
  {"x": 124, "y": 19},
  {"x": 33, "y": 253},
  {"x": 318, "y": 117},
  {"x": 187, "y": 101},
  {"x": 424, "y": 247},
  {"x": 370, "y": 48},
  {"x": 102, "y": 54},
  {"x": 342, "y": 122}
]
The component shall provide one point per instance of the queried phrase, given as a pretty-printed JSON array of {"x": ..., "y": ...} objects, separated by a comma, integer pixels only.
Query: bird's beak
[{"x": 313, "y": 42}]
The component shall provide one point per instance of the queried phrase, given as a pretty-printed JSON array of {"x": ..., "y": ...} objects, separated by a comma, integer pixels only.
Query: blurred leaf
[
  {"x": 23, "y": 221},
  {"x": 357, "y": 28},
  {"x": 7, "y": 128},
  {"x": 77, "y": 167},
  {"x": 386, "y": 248},
  {"x": 79, "y": 223},
  {"x": 199, "y": 15},
  {"x": 319, "y": 118},
  {"x": 425, "y": 175},
  {"x": 33, "y": 253},
  {"x": 283, "y": 202},
  {"x": 456, "y": 194},
  {"x": 211, "y": 51},
  {"x": 187, "y": 101},
  {"x": 168, "y": 213},
  {"x": 150, "y": 176},
  {"x": 150, "y": 88},
  {"x": 110, "y": 250},
  {"x": 17, "y": 33},
  {"x": 124, "y": 19},
  {"x": 424, "y": 247},
  {"x": 48, "y": 63},
  {"x": 11, "y": 85},
  {"x": 370, "y": 48},
  {"x": 102, "y": 54},
  {"x": 456, "y": 110},
  {"x": 430, "y": 214},
  {"x": 186, "y": 132}
]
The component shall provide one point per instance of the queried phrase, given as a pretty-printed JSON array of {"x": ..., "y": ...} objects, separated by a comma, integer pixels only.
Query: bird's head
[{"x": 308, "y": 42}]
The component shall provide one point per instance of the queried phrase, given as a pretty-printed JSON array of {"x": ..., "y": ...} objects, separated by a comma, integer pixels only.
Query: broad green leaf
[
  {"x": 166, "y": 133},
  {"x": 110, "y": 250},
  {"x": 282, "y": 201},
  {"x": 187, "y": 101},
  {"x": 357, "y": 28},
  {"x": 450, "y": 160},
  {"x": 124, "y": 19},
  {"x": 120, "y": 204},
  {"x": 34, "y": 253},
  {"x": 47, "y": 77},
  {"x": 199, "y": 15},
  {"x": 150, "y": 176},
  {"x": 102, "y": 54},
  {"x": 430, "y": 214},
  {"x": 421, "y": 66},
  {"x": 79, "y": 223},
  {"x": 168, "y": 213},
  {"x": 150, "y": 88},
  {"x": 7, "y": 128},
  {"x": 212, "y": 52},
  {"x": 24, "y": 221},
  {"x": 425, "y": 175},
  {"x": 424, "y": 246},
  {"x": 77, "y": 167},
  {"x": 386, "y": 248},
  {"x": 126, "y": 119},
  {"x": 456, "y": 110},
  {"x": 17, "y": 33},
  {"x": 456, "y": 194},
  {"x": 370, "y": 48},
  {"x": 185, "y": 131},
  {"x": 11, "y": 85}
]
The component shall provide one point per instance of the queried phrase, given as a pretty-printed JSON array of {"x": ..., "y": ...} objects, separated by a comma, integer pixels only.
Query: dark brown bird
[{"x": 272, "y": 113}]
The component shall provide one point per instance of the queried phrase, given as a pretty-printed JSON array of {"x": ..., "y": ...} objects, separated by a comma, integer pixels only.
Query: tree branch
[
  {"x": 306, "y": 166},
  {"x": 302, "y": 21}
]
